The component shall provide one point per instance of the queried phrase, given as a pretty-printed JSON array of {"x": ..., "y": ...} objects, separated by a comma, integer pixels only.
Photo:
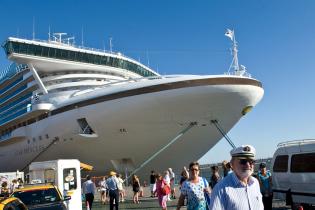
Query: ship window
[
  {"x": 23, "y": 48},
  {"x": 45, "y": 51},
  {"x": 72, "y": 55},
  {"x": 58, "y": 53},
  {"x": 85, "y": 128},
  {"x": 281, "y": 163}
]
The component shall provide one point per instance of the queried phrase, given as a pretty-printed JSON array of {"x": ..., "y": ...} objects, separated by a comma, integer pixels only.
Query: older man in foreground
[{"x": 239, "y": 190}]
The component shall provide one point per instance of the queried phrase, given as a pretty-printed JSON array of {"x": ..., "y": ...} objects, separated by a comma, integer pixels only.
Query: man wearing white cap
[{"x": 239, "y": 190}]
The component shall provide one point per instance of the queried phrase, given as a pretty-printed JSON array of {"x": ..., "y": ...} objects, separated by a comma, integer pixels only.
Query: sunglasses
[
  {"x": 194, "y": 169},
  {"x": 245, "y": 161}
]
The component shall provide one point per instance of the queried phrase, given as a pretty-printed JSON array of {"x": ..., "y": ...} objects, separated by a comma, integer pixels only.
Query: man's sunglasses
[
  {"x": 245, "y": 161},
  {"x": 194, "y": 169}
]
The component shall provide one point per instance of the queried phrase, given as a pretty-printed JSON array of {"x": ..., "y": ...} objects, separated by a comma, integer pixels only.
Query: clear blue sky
[{"x": 276, "y": 44}]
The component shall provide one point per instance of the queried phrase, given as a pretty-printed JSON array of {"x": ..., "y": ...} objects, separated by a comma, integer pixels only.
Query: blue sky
[{"x": 275, "y": 37}]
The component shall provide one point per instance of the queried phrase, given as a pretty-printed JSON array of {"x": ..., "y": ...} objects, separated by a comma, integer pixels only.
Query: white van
[
  {"x": 65, "y": 174},
  {"x": 293, "y": 175}
]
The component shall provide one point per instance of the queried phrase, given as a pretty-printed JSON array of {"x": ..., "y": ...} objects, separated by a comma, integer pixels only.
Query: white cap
[{"x": 244, "y": 151}]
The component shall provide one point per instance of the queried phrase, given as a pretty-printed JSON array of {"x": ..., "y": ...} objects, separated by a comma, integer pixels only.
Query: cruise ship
[{"x": 61, "y": 101}]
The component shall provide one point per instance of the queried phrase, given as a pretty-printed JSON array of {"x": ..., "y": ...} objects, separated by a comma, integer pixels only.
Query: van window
[
  {"x": 70, "y": 179},
  {"x": 281, "y": 163},
  {"x": 303, "y": 163}
]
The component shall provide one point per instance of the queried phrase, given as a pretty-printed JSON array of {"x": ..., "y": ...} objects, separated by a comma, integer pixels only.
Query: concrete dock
[{"x": 149, "y": 203}]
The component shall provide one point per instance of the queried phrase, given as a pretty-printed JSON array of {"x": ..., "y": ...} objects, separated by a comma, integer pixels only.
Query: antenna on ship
[
  {"x": 33, "y": 28},
  {"x": 239, "y": 70},
  {"x": 110, "y": 44},
  {"x": 49, "y": 33},
  {"x": 82, "y": 36},
  {"x": 148, "y": 60},
  {"x": 69, "y": 38},
  {"x": 58, "y": 36}
]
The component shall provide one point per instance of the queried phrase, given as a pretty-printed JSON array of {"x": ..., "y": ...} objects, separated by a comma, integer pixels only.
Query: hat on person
[
  {"x": 244, "y": 152},
  {"x": 262, "y": 165},
  {"x": 112, "y": 173}
]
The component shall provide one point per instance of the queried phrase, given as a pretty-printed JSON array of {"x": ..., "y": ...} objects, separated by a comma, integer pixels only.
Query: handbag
[
  {"x": 166, "y": 189},
  {"x": 206, "y": 194}
]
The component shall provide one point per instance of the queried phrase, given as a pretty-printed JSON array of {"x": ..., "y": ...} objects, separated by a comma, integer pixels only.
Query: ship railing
[
  {"x": 244, "y": 74},
  {"x": 139, "y": 79},
  {"x": 131, "y": 80},
  {"x": 12, "y": 70}
]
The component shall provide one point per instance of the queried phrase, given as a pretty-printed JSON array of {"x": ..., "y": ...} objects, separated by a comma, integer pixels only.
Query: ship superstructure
[{"x": 62, "y": 101}]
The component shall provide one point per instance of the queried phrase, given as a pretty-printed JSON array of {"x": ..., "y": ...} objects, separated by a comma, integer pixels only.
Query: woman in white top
[
  {"x": 121, "y": 189},
  {"x": 103, "y": 189},
  {"x": 194, "y": 190}
]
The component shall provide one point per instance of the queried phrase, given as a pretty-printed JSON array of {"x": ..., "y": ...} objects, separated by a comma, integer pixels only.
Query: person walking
[
  {"x": 113, "y": 192},
  {"x": 135, "y": 188},
  {"x": 103, "y": 189},
  {"x": 88, "y": 189},
  {"x": 194, "y": 190},
  {"x": 215, "y": 177},
  {"x": 183, "y": 176},
  {"x": 5, "y": 192},
  {"x": 238, "y": 190},
  {"x": 152, "y": 183},
  {"x": 172, "y": 183},
  {"x": 265, "y": 181},
  {"x": 227, "y": 169},
  {"x": 162, "y": 195},
  {"x": 121, "y": 189}
]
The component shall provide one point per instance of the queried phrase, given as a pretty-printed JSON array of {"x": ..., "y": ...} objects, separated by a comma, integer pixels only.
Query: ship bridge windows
[{"x": 44, "y": 51}]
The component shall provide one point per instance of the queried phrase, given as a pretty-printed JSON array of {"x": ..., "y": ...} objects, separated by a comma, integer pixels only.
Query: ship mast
[{"x": 238, "y": 69}]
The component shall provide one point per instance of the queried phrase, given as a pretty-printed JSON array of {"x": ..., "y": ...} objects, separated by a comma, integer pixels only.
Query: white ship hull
[{"x": 131, "y": 128}]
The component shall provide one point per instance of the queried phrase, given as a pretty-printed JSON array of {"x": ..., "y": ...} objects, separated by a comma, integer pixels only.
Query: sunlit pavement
[{"x": 152, "y": 203}]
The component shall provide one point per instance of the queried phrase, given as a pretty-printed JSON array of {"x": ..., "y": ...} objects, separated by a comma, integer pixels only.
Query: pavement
[{"x": 149, "y": 203}]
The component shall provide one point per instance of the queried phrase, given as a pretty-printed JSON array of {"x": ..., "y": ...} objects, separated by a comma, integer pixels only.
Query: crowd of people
[
  {"x": 8, "y": 187},
  {"x": 234, "y": 188}
]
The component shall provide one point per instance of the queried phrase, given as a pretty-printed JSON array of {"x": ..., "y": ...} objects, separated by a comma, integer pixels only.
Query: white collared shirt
[{"x": 231, "y": 194}]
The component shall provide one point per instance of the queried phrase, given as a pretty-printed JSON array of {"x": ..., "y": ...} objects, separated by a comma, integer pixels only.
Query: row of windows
[
  {"x": 49, "y": 52},
  {"x": 3, "y": 108},
  {"x": 300, "y": 163},
  {"x": 16, "y": 109},
  {"x": 17, "y": 91},
  {"x": 7, "y": 87},
  {"x": 7, "y": 132},
  {"x": 13, "y": 116}
]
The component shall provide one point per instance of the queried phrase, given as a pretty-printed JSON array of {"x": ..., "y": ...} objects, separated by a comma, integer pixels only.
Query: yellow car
[
  {"x": 41, "y": 197},
  {"x": 11, "y": 204}
]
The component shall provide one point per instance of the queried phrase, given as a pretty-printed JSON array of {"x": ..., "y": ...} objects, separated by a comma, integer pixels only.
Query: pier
[{"x": 147, "y": 202}]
